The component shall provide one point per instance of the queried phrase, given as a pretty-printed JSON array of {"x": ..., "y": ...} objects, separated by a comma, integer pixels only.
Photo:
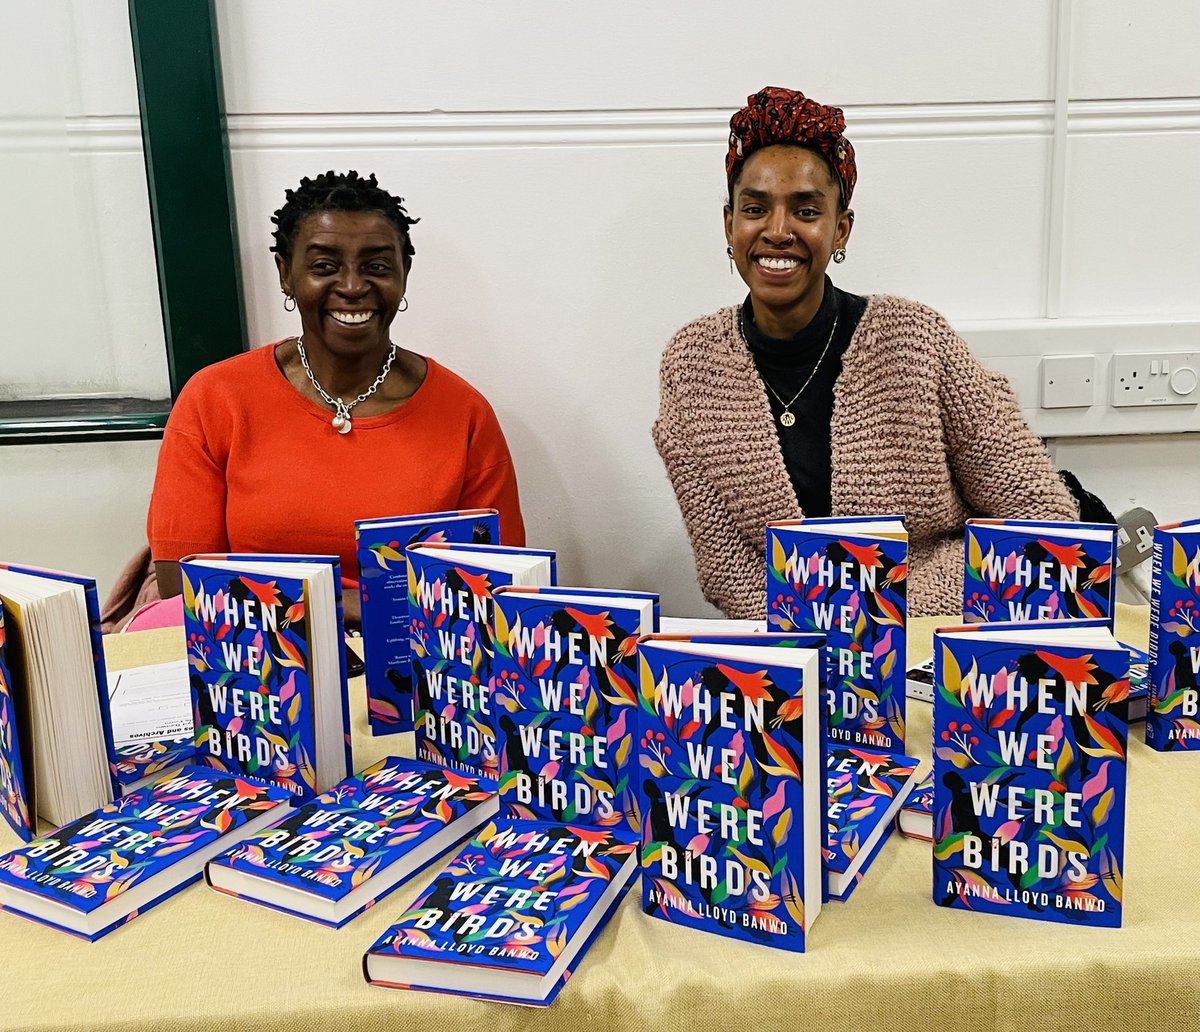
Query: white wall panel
[
  {"x": 955, "y": 223},
  {"x": 411, "y": 55},
  {"x": 1158, "y": 473},
  {"x": 1132, "y": 225},
  {"x": 1124, "y": 49},
  {"x": 102, "y": 55},
  {"x": 76, "y": 507}
]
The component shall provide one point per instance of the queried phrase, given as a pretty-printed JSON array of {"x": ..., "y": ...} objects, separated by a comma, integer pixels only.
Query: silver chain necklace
[
  {"x": 785, "y": 417},
  {"x": 341, "y": 409}
]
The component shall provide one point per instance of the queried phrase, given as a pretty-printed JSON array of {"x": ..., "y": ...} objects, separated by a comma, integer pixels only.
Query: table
[{"x": 887, "y": 959}]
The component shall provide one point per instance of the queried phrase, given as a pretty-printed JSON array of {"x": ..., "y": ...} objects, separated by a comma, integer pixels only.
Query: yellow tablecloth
[{"x": 887, "y": 959}]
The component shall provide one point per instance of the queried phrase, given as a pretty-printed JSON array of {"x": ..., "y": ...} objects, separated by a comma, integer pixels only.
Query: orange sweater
[{"x": 248, "y": 464}]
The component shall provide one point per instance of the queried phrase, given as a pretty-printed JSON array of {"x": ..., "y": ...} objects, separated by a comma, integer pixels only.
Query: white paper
[
  {"x": 706, "y": 625},
  {"x": 149, "y": 703}
]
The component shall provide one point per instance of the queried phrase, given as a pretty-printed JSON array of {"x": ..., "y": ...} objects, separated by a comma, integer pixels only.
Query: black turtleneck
[{"x": 785, "y": 366}]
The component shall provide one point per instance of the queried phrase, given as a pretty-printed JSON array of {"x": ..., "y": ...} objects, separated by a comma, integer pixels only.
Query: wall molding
[{"x": 121, "y": 134}]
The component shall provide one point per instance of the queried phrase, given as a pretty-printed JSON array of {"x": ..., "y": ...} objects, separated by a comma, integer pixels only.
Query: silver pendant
[
  {"x": 786, "y": 418},
  {"x": 341, "y": 418}
]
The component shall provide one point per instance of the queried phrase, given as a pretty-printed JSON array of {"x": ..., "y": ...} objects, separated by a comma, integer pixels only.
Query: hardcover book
[
  {"x": 451, "y": 611},
  {"x": 1139, "y": 683},
  {"x": 56, "y": 744},
  {"x": 846, "y": 578},
  {"x": 1173, "y": 707},
  {"x": 916, "y": 815},
  {"x": 866, "y": 790},
  {"x": 268, "y": 667},
  {"x": 14, "y": 796},
  {"x": 342, "y": 852},
  {"x": 1030, "y": 570},
  {"x": 511, "y": 916},
  {"x": 142, "y": 762},
  {"x": 383, "y": 591},
  {"x": 1030, "y": 730},
  {"x": 732, "y": 786},
  {"x": 564, "y": 687},
  {"x": 102, "y": 870}
]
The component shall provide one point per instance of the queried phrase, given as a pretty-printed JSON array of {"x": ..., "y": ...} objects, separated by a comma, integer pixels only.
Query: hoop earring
[
  {"x": 839, "y": 255},
  {"x": 403, "y": 305},
  {"x": 289, "y": 303},
  {"x": 729, "y": 251}
]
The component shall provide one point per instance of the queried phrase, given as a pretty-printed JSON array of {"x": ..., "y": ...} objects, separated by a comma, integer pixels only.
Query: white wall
[{"x": 567, "y": 164}]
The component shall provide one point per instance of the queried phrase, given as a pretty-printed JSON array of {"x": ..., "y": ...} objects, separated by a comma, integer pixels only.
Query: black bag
[{"x": 1091, "y": 508}]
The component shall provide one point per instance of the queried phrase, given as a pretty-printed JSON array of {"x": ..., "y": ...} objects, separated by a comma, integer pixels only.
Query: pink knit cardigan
[{"x": 919, "y": 427}]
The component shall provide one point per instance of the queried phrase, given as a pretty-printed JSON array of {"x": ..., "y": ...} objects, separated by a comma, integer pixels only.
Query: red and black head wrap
[{"x": 777, "y": 115}]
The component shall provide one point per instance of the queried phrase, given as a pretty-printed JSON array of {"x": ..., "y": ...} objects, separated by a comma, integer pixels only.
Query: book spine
[
  {"x": 92, "y": 600},
  {"x": 1156, "y": 728},
  {"x": 383, "y": 592},
  {"x": 1172, "y": 720}
]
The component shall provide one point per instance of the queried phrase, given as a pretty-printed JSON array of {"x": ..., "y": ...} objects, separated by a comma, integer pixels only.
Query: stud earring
[
  {"x": 839, "y": 255},
  {"x": 729, "y": 251},
  {"x": 289, "y": 303},
  {"x": 403, "y": 305}
]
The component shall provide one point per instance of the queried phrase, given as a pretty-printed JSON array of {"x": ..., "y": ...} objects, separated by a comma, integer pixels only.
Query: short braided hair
[{"x": 336, "y": 191}]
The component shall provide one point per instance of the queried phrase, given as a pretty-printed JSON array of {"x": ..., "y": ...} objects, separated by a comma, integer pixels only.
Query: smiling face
[
  {"x": 784, "y": 222},
  {"x": 348, "y": 273}
]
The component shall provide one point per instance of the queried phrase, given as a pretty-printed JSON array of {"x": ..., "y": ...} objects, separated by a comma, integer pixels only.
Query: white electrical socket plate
[
  {"x": 1068, "y": 381},
  {"x": 1154, "y": 378}
]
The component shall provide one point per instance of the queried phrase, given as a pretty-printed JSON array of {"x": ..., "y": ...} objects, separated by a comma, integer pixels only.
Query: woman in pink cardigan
[{"x": 806, "y": 400}]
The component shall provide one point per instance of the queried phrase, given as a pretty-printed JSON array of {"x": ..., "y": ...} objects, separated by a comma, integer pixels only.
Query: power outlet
[{"x": 1163, "y": 378}]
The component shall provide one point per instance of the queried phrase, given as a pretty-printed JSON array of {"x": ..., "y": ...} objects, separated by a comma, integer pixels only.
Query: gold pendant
[{"x": 786, "y": 418}]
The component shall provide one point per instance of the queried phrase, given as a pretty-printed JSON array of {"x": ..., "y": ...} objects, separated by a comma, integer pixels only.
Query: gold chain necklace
[{"x": 785, "y": 417}]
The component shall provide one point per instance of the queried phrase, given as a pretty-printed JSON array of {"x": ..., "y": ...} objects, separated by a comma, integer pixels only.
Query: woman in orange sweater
[{"x": 282, "y": 448}]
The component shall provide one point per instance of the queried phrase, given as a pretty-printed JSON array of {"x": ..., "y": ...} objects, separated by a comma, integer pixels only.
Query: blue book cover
[
  {"x": 1030, "y": 570},
  {"x": 383, "y": 592},
  {"x": 1030, "y": 733},
  {"x": 916, "y": 815},
  {"x": 268, "y": 689},
  {"x": 450, "y": 602},
  {"x": 732, "y": 787},
  {"x": 511, "y": 916},
  {"x": 140, "y": 762},
  {"x": 564, "y": 687},
  {"x": 14, "y": 792},
  {"x": 847, "y": 578},
  {"x": 1173, "y": 707},
  {"x": 102, "y": 870},
  {"x": 342, "y": 852},
  {"x": 866, "y": 789}
]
